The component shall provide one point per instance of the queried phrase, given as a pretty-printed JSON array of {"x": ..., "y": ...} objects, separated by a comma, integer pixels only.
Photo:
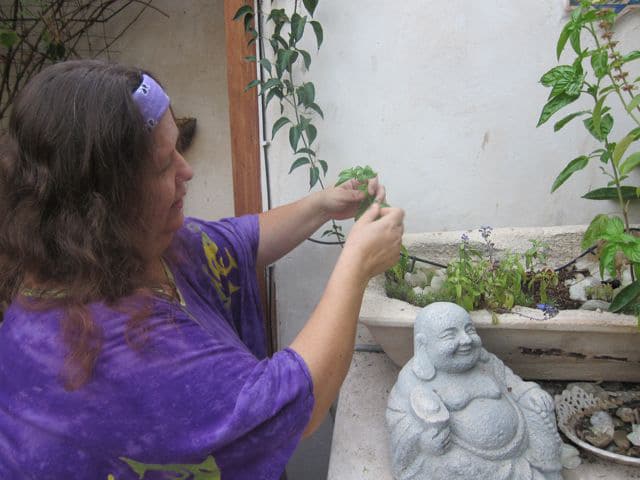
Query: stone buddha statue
[{"x": 457, "y": 412}]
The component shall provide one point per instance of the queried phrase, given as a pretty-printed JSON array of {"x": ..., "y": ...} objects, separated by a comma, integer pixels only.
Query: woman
[{"x": 133, "y": 334}]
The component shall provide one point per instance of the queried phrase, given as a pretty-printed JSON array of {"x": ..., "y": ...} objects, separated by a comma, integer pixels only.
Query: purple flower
[
  {"x": 464, "y": 238},
  {"x": 485, "y": 231},
  {"x": 549, "y": 310}
]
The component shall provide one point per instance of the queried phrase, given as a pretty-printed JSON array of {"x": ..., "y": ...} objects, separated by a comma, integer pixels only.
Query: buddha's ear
[
  {"x": 422, "y": 366},
  {"x": 484, "y": 355}
]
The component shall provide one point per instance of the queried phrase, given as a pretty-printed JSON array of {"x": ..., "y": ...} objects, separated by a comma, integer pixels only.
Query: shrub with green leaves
[
  {"x": 598, "y": 71},
  {"x": 476, "y": 279},
  {"x": 298, "y": 106}
]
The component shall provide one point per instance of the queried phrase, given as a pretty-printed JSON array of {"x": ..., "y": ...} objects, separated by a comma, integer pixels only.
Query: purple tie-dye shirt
[{"x": 201, "y": 384}]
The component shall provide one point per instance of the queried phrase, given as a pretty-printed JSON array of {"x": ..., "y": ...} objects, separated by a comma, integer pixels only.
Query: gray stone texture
[{"x": 457, "y": 412}]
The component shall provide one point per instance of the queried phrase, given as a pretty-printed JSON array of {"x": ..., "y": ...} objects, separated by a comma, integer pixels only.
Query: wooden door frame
[{"x": 245, "y": 137}]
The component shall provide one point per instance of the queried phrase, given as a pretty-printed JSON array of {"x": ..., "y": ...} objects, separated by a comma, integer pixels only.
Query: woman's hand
[
  {"x": 375, "y": 239},
  {"x": 342, "y": 202}
]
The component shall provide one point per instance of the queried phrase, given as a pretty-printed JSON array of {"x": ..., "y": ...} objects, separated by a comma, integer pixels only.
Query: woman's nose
[{"x": 185, "y": 172}]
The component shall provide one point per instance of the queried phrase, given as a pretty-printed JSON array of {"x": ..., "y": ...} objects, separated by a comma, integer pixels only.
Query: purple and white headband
[{"x": 151, "y": 100}]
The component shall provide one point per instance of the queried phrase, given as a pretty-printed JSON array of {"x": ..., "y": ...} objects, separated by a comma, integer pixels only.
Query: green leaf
[
  {"x": 599, "y": 63},
  {"x": 324, "y": 166},
  {"x": 607, "y": 193},
  {"x": 315, "y": 107},
  {"x": 572, "y": 167},
  {"x": 594, "y": 232},
  {"x": 304, "y": 121},
  {"x": 564, "y": 79},
  {"x": 614, "y": 228},
  {"x": 317, "y": 29},
  {"x": 597, "y": 112},
  {"x": 306, "y": 94},
  {"x": 631, "y": 162},
  {"x": 554, "y": 105},
  {"x": 627, "y": 295},
  {"x": 284, "y": 60},
  {"x": 281, "y": 122},
  {"x": 266, "y": 64},
  {"x": 248, "y": 22},
  {"x": 251, "y": 84},
  {"x": 312, "y": 133},
  {"x": 621, "y": 148},
  {"x": 308, "y": 151},
  {"x": 298, "y": 163},
  {"x": 242, "y": 11},
  {"x": 310, "y": 92},
  {"x": 297, "y": 26},
  {"x": 635, "y": 101},
  {"x": 279, "y": 41},
  {"x": 294, "y": 136},
  {"x": 273, "y": 93},
  {"x": 631, "y": 249},
  {"x": 606, "y": 124},
  {"x": 344, "y": 176},
  {"x": 272, "y": 82},
  {"x": 278, "y": 16},
  {"x": 574, "y": 39},
  {"x": 608, "y": 89},
  {"x": 608, "y": 259},
  {"x": 314, "y": 176},
  {"x": 310, "y": 5},
  {"x": 250, "y": 58},
  {"x": 631, "y": 56},
  {"x": 306, "y": 57},
  {"x": 562, "y": 40},
  {"x": 567, "y": 119}
]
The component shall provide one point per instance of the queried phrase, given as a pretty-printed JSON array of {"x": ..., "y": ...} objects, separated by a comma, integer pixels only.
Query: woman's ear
[{"x": 422, "y": 366}]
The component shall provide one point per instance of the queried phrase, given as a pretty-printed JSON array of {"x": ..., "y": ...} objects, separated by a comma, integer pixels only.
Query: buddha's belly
[{"x": 486, "y": 423}]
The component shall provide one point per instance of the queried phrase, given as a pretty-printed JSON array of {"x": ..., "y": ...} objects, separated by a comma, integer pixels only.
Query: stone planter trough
[{"x": 573, "y": 345}]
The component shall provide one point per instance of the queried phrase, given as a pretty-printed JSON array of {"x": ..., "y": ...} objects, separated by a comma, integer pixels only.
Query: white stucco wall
[
  {"x": 442, "y": 99},
  {"x": 187, "y": 52}
]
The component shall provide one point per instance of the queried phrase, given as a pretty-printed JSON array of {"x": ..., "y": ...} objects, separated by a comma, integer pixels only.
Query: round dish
[{"x": 574, "y": 404}]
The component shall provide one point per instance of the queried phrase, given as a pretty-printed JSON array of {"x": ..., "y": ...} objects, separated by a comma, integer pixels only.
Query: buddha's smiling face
[{"x": 453, "y": 344}]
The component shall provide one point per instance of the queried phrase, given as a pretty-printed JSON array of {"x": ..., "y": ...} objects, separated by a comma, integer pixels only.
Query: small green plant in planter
[
  {"x": 476, "y": 279},
  {"x": 598, "y": 72}
]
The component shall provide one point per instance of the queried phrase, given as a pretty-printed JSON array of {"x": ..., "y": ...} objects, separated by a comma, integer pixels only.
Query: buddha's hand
[
  {"x": 436, "y": 441},
  {"x": 538, "y": 400}
]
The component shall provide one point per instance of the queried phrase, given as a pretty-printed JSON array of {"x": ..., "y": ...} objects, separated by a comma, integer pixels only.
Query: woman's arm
[
  {"x": 326, "y": 341},
  {"x": 284, "y": 228}
]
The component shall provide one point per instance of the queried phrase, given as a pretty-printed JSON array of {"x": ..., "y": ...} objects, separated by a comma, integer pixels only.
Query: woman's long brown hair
[{"x": 72, "y": 166}]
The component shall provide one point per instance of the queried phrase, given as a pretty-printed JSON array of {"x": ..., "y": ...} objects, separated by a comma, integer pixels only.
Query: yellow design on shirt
[{"x": 218, "y": 270}]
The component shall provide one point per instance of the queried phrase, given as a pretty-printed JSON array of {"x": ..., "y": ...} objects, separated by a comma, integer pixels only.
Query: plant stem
[
  {"x": 624, "y": 207},
  {"x": 294, "y": 103},
  {"x": 615, "y": 85}
]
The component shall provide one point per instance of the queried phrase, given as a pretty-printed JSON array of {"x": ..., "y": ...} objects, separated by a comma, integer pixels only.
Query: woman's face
[{"x": 167, "y": 186}]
